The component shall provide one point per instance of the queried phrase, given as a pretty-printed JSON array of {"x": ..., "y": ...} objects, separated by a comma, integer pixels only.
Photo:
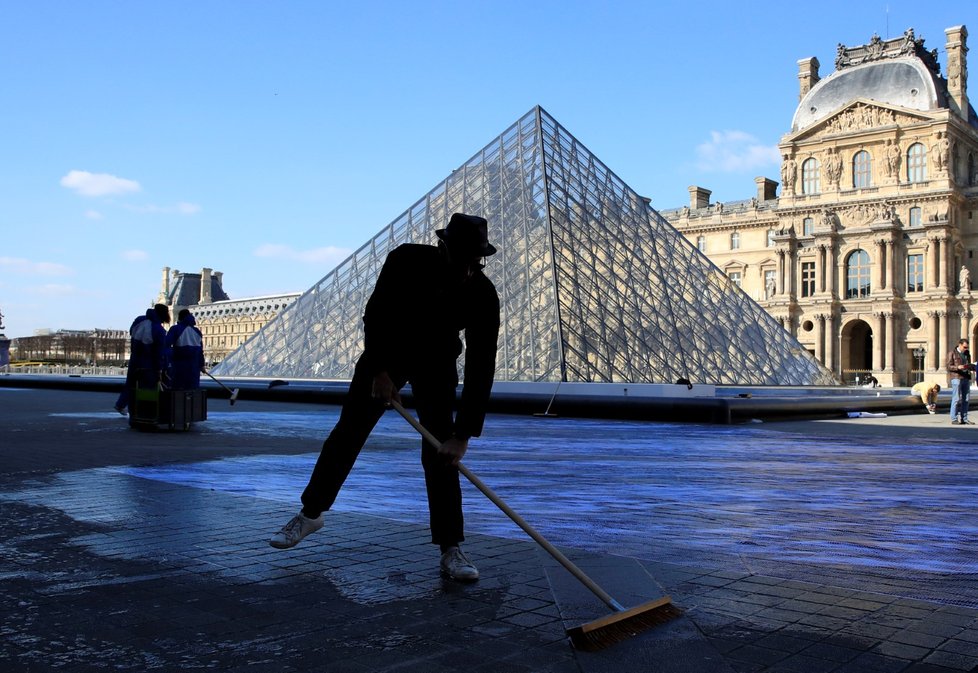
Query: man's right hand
[{"x": 384, "y": 389}]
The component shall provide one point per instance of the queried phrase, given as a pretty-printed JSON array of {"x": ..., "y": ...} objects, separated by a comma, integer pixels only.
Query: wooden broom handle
[{"x": 530, "y": 530}]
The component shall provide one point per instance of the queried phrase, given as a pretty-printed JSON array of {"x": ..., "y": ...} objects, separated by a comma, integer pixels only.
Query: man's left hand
[{"x": 454, "y": 449}]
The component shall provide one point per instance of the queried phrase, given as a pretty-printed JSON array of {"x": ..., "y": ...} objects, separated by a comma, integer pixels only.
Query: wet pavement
[{"x": 808, "y": 546}]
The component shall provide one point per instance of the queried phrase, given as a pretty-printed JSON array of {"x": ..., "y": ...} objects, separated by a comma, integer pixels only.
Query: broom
[
  {"x": 598, "y": 634},
  {"x": 234, "y": 393}
]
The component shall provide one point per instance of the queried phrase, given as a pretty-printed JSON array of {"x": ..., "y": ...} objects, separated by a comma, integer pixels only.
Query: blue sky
[{"x": 268, "y": 140}]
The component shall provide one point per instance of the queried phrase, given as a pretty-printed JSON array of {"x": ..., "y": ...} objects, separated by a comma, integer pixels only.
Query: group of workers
[{"x": 174, "y": 358}]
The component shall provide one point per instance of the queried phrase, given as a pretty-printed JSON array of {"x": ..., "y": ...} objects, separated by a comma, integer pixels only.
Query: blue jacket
[
  {"x": 147, "y": 356},
  {"x": 185, "y": 345}
]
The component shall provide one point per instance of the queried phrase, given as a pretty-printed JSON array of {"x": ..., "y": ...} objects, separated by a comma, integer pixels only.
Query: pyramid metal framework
[{"x": 594, "y": 285}]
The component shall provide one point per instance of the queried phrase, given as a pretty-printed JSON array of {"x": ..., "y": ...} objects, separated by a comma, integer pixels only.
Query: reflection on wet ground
[{"x": 654, "y": 491}]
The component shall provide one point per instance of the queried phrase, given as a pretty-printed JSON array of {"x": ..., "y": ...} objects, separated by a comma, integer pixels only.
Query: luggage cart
[{"x": 176, "y": 409}]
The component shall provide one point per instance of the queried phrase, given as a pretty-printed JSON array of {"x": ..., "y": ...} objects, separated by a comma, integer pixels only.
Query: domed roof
[
  {"x": 897, "y": 72},
  {"x": 905, "y": 82}
]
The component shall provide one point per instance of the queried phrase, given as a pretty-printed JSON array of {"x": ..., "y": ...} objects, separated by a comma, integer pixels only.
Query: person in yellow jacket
[{"x": 927, "y": 391}]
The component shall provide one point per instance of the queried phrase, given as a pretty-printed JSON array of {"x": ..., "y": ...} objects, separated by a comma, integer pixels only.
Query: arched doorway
[{"x": 857, "y": 350}]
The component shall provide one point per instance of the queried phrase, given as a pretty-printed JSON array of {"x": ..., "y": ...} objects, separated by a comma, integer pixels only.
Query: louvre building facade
[
  {"x": 595, "y": 285},
  {"x": 867, "y": 255}
]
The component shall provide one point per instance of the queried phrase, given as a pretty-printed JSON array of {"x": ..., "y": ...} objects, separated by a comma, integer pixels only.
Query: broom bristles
[{"x": 619, "y": 626}]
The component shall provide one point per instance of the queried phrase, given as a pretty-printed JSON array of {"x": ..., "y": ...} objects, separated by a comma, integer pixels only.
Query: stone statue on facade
[
  {"x": 964, "y": 280},
  {"x": 833, "y": 167},
  {"x": 769, "y": 288},
  {"x": 940, "y": 152},
  {"x": 828, "y": 220},
  {"x": 1, "y": 320},
  {"x": 789, "y": 171},
  {"x": 893, "y": 156}
]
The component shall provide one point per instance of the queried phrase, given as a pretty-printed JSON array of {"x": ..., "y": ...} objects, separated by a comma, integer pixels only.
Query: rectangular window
[
  {"x": 915, "y": 217},
  {"x": 808, "y": 227},
  {"x": 735, "y": 277},
  {"x": 915, "y": 273},
  {"x": 807, "y": 279},
  {"x": 735, "y": 241}
]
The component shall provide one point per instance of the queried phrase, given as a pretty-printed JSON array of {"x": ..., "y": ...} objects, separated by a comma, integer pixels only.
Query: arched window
[
  {"x": 735, "y": 241},
  {"x": 810, "y": 180},
  {"x": 701, "y": 243},
  {"x": 808, "y": 227},
  {"x": 857, "y": 275},
  {"x": 916, "y": 163},
  {"x": 862, "y": 169}
]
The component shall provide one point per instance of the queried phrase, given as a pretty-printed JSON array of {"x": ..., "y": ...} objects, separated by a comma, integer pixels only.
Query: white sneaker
[
  {"x": 296, "y": 529},
  {"x": 455, "y": 565}
]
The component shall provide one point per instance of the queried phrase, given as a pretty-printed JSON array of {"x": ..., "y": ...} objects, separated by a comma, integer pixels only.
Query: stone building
[
  {"x": 225, "y": 323},
  {"x": 867, "y": 255}
]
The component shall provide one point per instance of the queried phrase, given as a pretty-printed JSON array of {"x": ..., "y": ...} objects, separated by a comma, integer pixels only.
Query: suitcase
[
  {"x": 176, "y": 409},
  {"x": 180, "y": 408}
]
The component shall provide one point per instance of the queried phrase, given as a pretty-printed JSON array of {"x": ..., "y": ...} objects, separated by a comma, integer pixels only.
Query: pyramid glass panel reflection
[{"x": 594, "y": 285}]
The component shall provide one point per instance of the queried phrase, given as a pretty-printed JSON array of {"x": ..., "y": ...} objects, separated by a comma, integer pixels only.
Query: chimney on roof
[
  {"x": 807, "y": 75},
  {"x": 767, "y": 189},
  {"x": 957, "y": 69},
  {"x": 166, "y": 282},
  {"x": 219, "y": 279},
  {"x": 699, "y": 197},
  {"x": 205, "y": 286}
]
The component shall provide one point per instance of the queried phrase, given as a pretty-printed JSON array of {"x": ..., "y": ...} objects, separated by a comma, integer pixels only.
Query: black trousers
[{"x": 434, "y": 397}]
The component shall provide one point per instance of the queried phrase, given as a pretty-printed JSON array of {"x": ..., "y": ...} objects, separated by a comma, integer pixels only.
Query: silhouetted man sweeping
[{"x": 424, "y": 297}]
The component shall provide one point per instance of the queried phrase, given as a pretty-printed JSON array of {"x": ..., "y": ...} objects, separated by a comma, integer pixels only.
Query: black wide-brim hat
[{"x": 468, "y": 235}]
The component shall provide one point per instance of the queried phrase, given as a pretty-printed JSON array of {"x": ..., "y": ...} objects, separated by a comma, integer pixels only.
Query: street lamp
[{"x": 919, "y": 352}]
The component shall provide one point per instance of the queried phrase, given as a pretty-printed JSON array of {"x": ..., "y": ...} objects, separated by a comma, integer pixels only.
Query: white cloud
[
  {"x": 734, "y": 151},
  {"x": 134, "y": 255},
  {"x": 93, "y": 215},
  {"x": 28, "y": 268},
  {"x": 187, "y": 208},
  {"x": 98, "y": 184},
  {"x": 328, "y": 256}
]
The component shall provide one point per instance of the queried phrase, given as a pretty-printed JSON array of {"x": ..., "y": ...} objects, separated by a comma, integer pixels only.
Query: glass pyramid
[{"x": 595, "y": 285}]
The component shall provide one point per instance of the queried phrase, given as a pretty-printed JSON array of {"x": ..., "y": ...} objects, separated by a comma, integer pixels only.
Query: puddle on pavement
[{"x": 650, "y": 490}]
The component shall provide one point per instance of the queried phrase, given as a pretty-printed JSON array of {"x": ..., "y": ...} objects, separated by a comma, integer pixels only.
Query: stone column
[
  {"x": 836, "y": 365},
  {"x": 894, "y": 273},
  {"x": 893, "y": 356},
  {"x": 781, "y": 272},
  {"x": 878, "y": 277},
  {"x": 945, "y": 333},
  {"x": 820, "y": 319},
  {"x": 822, "y": 270},
  {"x": 934, "y": 349},
  {"x": 877, "y": 365},
  {"x": 933, "y": 263},
  {"x": 942, "y": 282}
]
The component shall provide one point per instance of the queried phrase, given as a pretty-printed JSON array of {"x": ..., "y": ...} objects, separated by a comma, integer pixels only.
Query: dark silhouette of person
[{"x": 424, "y": 298}]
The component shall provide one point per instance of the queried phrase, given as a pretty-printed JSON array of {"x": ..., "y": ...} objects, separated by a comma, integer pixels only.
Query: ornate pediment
[
  {"x": 864, "y": 214},
  {"x": 860, "y": 115}
]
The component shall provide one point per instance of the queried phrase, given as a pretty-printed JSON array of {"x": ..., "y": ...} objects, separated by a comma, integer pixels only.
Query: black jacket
[{"x": 412, "y": 323}]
